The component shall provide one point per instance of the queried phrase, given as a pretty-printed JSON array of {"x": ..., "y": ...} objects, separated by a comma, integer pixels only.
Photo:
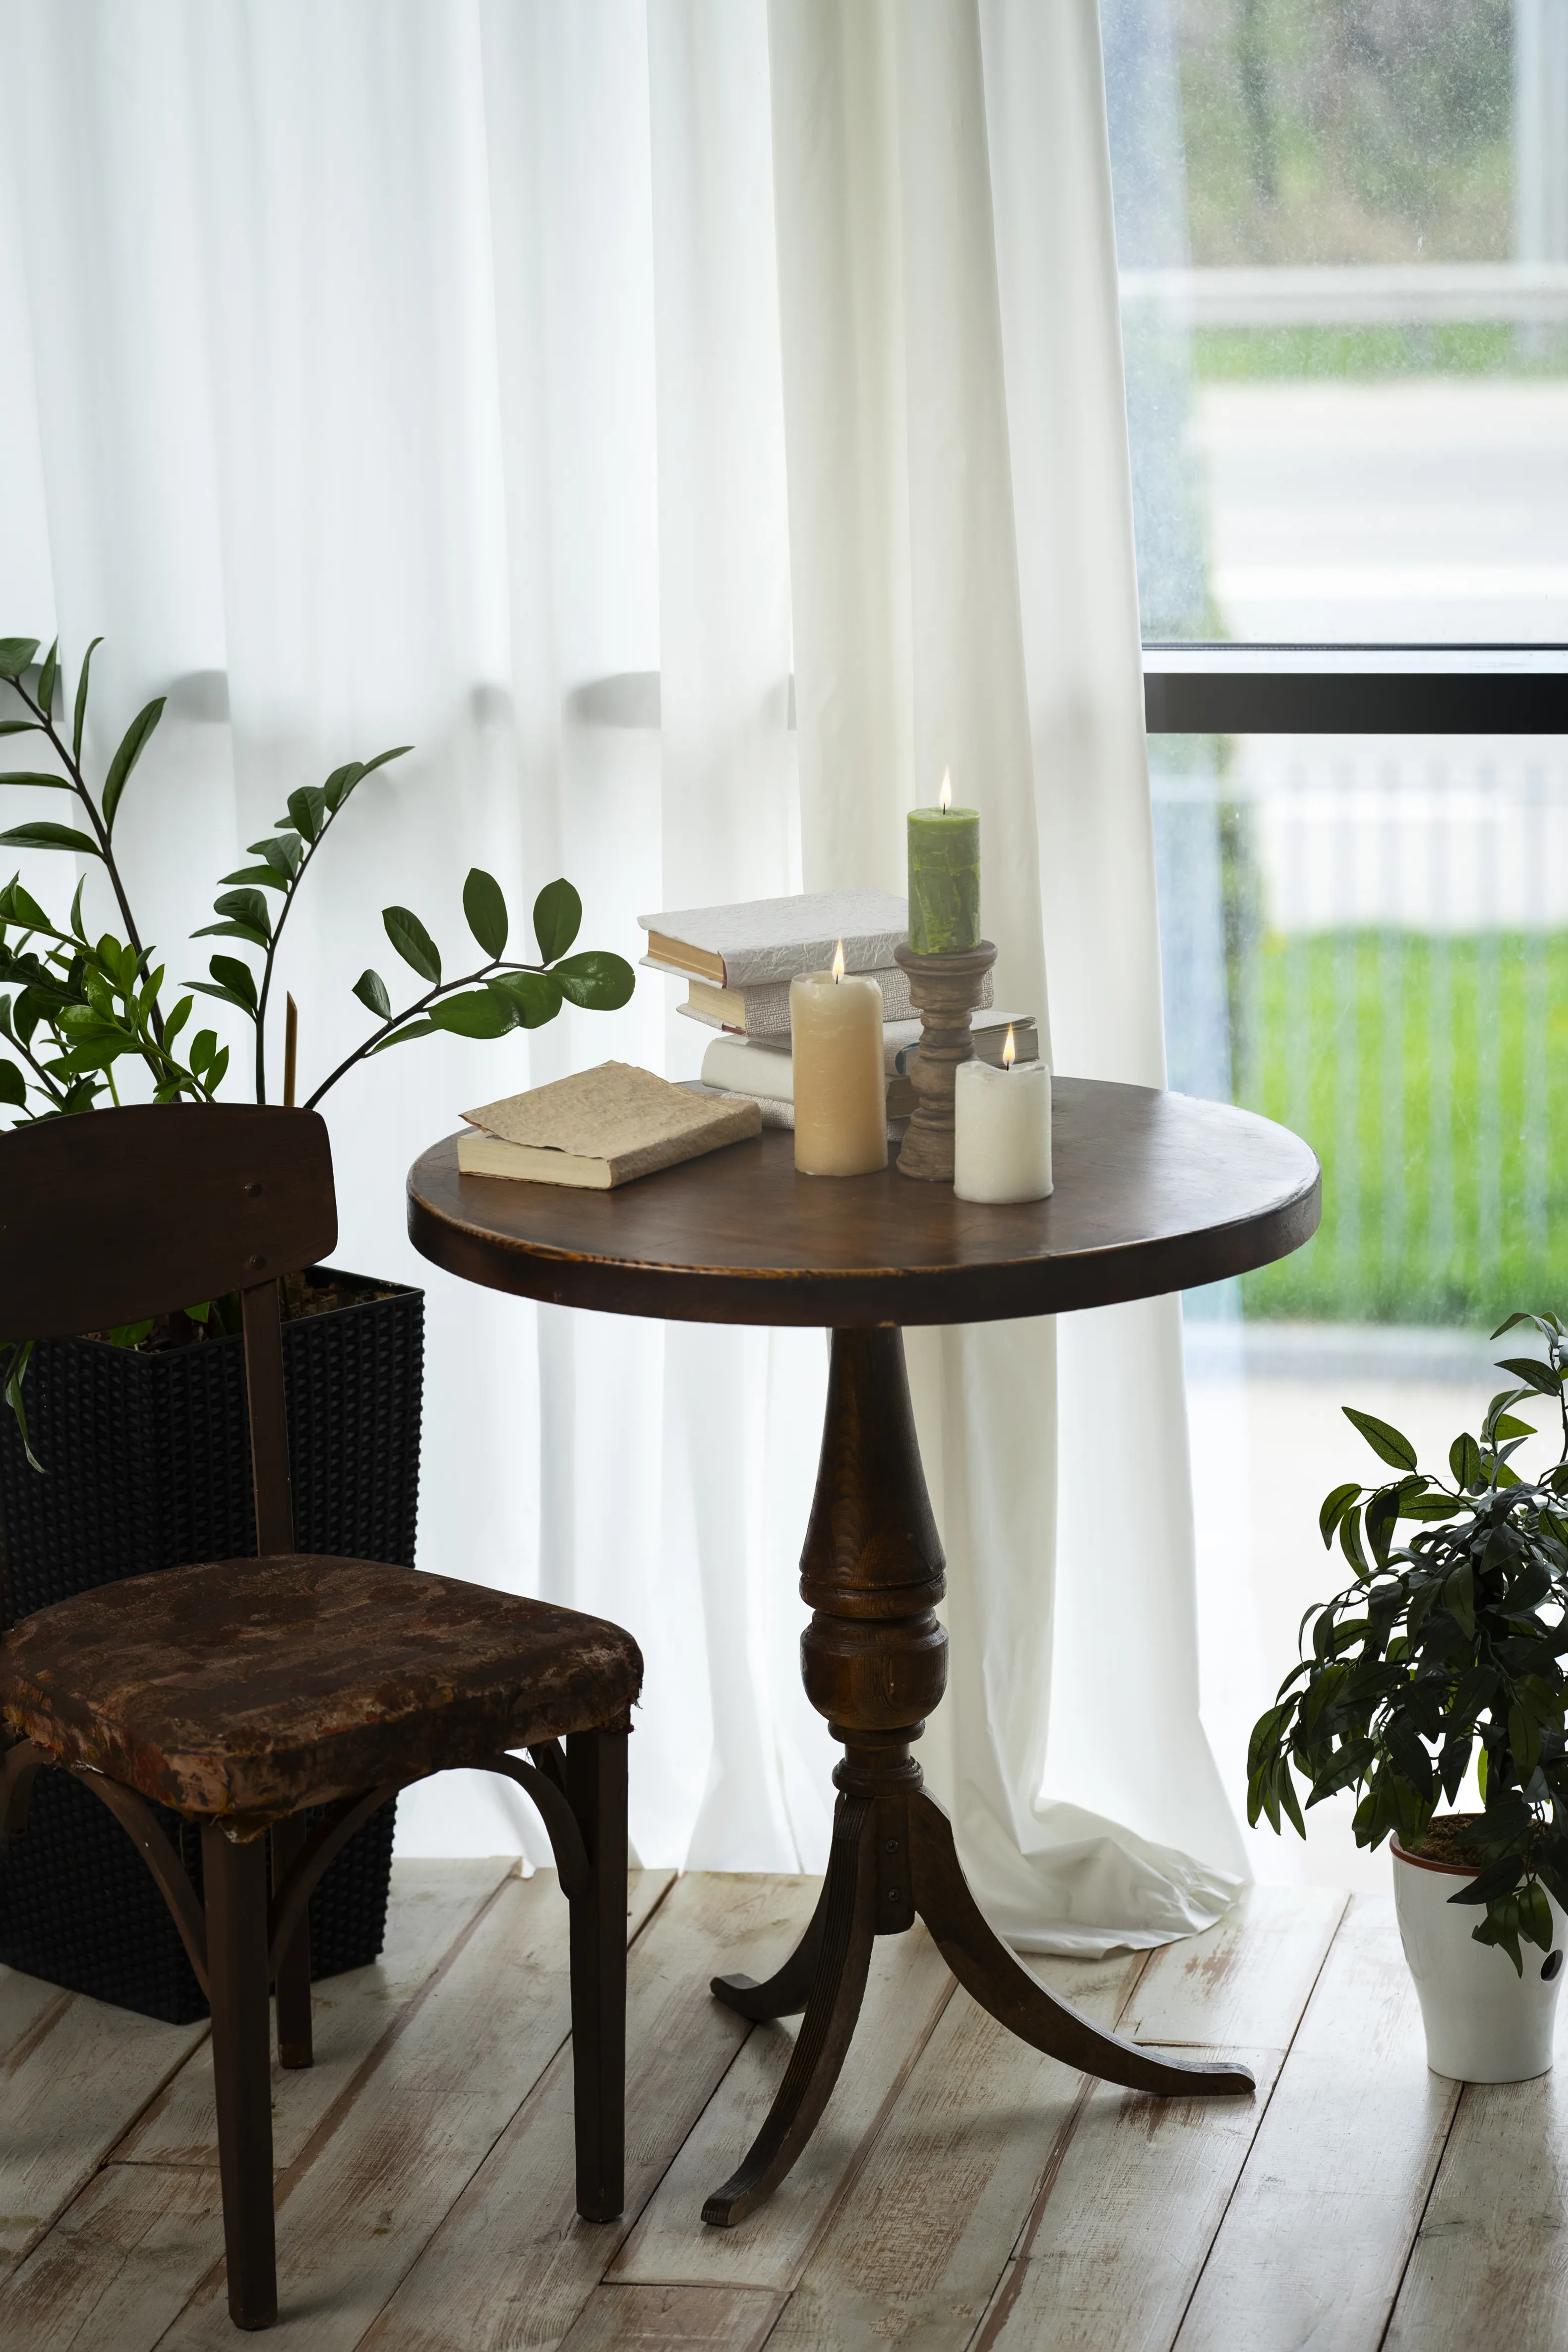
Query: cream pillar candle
[
  {"x": 1002, "y": 1131},
  {"x": 840, "y": 1080}
]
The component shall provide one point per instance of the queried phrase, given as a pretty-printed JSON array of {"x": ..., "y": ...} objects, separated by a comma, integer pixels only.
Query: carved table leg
[{"x": 874, "y": 1659}]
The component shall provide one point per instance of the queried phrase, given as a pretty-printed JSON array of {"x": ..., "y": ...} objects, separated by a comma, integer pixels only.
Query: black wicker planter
[{"x": 149, "y": 1465}]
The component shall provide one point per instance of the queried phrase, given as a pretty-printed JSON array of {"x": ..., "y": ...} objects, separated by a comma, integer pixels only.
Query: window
[{"x": 1344, "y": 239}]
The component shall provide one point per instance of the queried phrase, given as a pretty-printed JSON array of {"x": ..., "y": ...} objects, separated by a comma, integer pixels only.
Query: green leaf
[
  {"x": 24, "y": 908},
  {"x": 16, "y": 652},
  {"x": 77, "y": 931},
  {"x": 1334, "y": 1508},
  {"x": 50, "y": 836},
  {"x": 478, "y": 1013},
  {"x": 13, "y": 1084},
  {"x": 595, "y": 979},
  {"x": 1524, "y": 1739},
  {"x": 1533, "y": 1373},
  {"x": 1535, "y": 1915},
  {"x": 371, "y": 989},
  {"x": 1460, "y": 1599},
  {"x": 229, "y": 972},
  {"x": 216, "y": 1074},
  {"x": 307, "y": 810},
  {"x": 36, "y": 779},
  {"x": 342, "y": 780},
  {"x": 131, "y": 745},
  {"x": 78, "y": 721},
  {"x": 1464, "y": 1462},
  {"x": 1350, "y": 1544},
  {"x": 401, "y": 1036},
  {"x": 557, "y": 919},
  {"x": 20, "y": 726},
  {"x": 267, "y": 877},
  {"x": 413, "y": 942},
  {"x": 249, "y": 931},
  {"x": 534, "y": 995},
  {"x": 1386, "y": 1442},
  {"x": 16, "y": 1374},
  {"x": 46, "y": 679},
  {"x": 224, "y": 995},
  {"x": 484, "y": 908},
  {"x": 204, "y": 1045},
  {"x": 176, "y": 1020},
  {"x": 248, "y": 907}
]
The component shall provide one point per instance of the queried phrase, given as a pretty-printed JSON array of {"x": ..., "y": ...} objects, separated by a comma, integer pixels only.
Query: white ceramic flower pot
[{"x": 1484, "y": 2023}]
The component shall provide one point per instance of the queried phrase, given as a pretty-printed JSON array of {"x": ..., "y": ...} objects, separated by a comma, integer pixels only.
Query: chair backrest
[{"x": 117, "y": 1215}]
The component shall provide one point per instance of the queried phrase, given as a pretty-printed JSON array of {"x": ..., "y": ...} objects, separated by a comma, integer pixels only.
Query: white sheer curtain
[{"x": 425, "y": 371}]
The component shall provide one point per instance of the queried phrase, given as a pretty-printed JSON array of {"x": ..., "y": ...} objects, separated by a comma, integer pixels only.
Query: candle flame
[
  {"x": 838, "y": 961},
  {"x": 1009, "y": 1051},
  {"x": 945, "y": 799}
]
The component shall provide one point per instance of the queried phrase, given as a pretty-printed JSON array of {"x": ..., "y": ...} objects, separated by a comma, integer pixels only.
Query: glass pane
[
  {"x": 1344, "y": 239},
  {"x": 1365, "y": 937}
]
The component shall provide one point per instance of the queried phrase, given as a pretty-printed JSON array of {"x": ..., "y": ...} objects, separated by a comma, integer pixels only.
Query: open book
[{"x": 599, "y": 1129}]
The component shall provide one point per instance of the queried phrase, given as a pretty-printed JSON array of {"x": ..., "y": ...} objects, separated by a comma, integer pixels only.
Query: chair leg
[
  {"x": 596, "y": 1785},
  {"x": 235, "y": 1882},
  {"x": 293, "y": 1983}
]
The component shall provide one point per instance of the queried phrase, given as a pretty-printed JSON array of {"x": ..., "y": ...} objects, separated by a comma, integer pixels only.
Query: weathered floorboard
[
  {"x": 1314, "y": 2245},
  {"x": 68, "y": 2090},
  {"x": 673, "y": 2319},
  {"x": 1110, "y": 2260},
  {"x": 906, "y": 1992},
  {"x": 432, "y": 1905},
  {"x": 1491, "y": 2264},
  {"x": 914, "y": 2252},
  {"x": 1110, "y": 2254},
  {"x": 1245, "y": 1981},
  {"x": 512, "y": 2266},
  {"x": 117, "y": 2265}
]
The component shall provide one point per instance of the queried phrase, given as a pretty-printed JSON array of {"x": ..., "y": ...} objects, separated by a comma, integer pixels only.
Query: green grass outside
[
  {"x": 1313, "y": 354},
  {"x": 1430, "y": 1075}
]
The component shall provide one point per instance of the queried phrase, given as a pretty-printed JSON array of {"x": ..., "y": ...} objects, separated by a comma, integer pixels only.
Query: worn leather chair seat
[{"x": 247, "y": 1689}]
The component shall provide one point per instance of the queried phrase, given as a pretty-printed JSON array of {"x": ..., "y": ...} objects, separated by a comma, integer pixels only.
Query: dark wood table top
[{"x": 1153, "y": 1192}]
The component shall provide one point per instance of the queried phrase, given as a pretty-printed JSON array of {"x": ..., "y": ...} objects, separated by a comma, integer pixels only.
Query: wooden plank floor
[{"x": 962, "y": 2191}]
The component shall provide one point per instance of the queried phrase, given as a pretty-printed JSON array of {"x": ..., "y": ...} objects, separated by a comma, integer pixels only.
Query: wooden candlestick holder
[{"x": 945, "y": 990}]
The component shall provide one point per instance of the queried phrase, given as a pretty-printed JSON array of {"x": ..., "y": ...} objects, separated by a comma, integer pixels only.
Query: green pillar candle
[{"x": 944, "y": 880}]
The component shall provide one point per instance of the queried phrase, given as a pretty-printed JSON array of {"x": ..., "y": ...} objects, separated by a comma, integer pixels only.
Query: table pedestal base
[{"x": 874, "y": 1662}]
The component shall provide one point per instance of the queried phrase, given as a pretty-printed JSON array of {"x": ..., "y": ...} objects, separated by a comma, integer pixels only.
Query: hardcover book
[{"x": 770, "y": 939}]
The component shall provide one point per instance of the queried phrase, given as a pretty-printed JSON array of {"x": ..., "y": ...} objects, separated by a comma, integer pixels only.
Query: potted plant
[
  {"x": 1447, "y": 1653},
  {"x": 141, "y": 1432}
]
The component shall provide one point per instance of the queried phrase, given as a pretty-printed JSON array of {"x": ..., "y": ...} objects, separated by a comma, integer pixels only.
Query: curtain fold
[
  {"x": 548, "y": 384},
  {"x": 965, "y": 597}
]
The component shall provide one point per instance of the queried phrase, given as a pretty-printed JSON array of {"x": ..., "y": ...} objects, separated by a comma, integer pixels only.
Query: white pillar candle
[
  {"x": 840, "y": 1082},
  {"x": 1002, "y": 1132}
]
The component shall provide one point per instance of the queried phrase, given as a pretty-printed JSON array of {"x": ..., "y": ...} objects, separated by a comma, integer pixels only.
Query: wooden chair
[{"x": 242, "y": 1691}]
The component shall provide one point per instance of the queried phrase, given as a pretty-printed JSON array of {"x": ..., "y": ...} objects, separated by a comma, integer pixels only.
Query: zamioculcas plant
[
  {"x": 1446, "y": 1649},
  {"x": 76, "y": 1006}
]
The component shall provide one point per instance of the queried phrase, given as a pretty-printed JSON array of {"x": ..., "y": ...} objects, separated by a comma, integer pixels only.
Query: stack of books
[{"x": 738, "y": 962}]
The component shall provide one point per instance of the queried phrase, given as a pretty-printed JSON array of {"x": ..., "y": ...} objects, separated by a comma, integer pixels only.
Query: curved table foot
[
  {"x": 844, "y": 1954},
  {"x": 786, "y": 1992},
  {"x": 999, "y": 1981}
]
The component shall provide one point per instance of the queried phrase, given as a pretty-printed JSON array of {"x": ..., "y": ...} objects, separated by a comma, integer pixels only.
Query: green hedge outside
[{"x": 1430, "y": 1075}]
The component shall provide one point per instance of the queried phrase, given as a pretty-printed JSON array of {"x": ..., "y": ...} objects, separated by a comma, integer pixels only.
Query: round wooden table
[{"x": 1155, "y": 1192}]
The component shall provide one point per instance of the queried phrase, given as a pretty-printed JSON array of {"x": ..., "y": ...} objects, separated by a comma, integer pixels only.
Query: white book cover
[{"x": 773, "y": 938}]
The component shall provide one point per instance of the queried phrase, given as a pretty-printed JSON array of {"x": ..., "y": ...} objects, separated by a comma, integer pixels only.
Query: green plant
[
  {"x": 1448, "y": 1647},
  {"x": 76, "y": 1005},
  {"x": 83, "y": 1004}
]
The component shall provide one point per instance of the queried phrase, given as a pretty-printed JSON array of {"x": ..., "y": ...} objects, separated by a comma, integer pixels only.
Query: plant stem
[
  {"x": 310, "y": 848},
  {"x": 412, "y": 1012},
  {"x": 106, "y": 848}
]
